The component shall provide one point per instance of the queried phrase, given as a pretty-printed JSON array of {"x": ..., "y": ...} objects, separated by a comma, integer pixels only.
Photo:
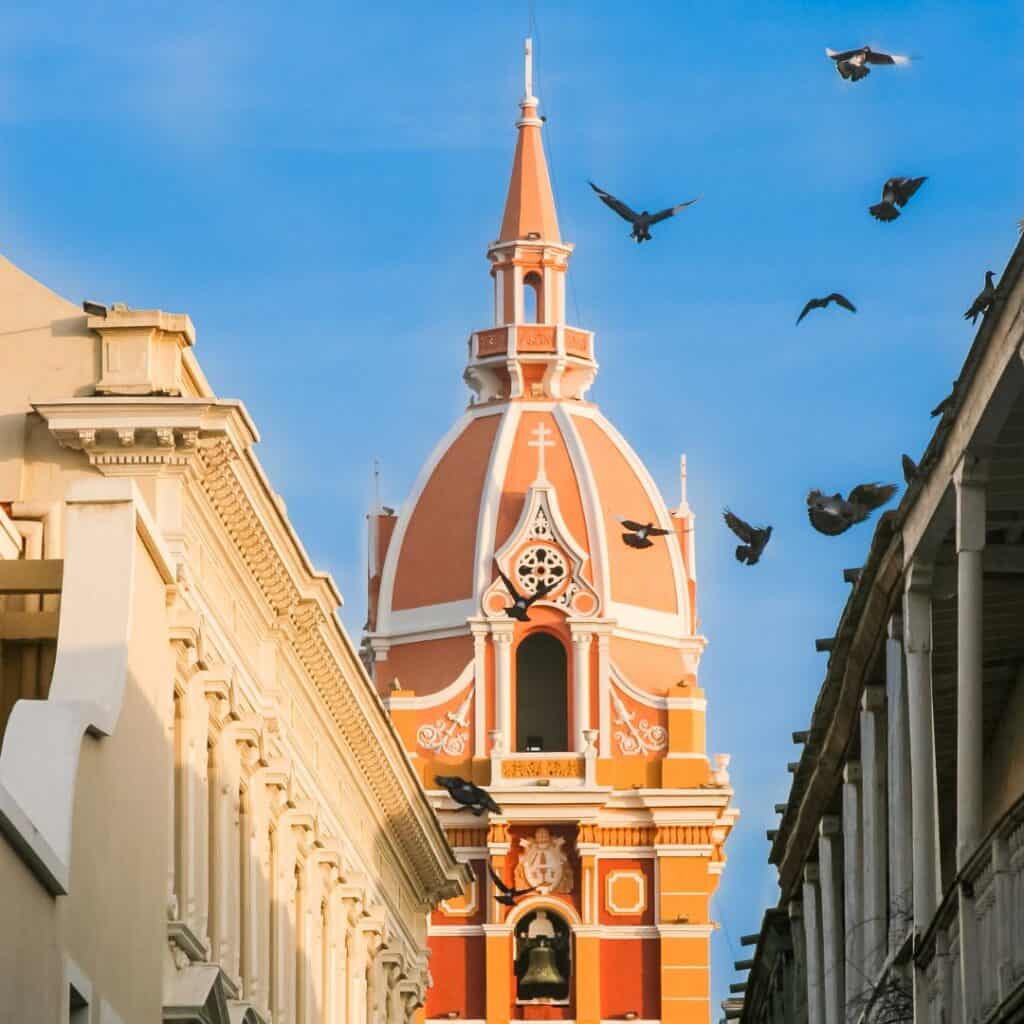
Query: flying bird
[
  {"x": 520, "y": 602},
  {"x": 468, "y": 795},
  {"x": 508, "y": 894},
  {"x": 895, "y": 192},
  {"x": 910, "y": 469},
  {"x": 755, "y": 538},
  {"x": 639, "y": 532},
  {"x": 984, "y": 299},
  {"x": 839, "y": 300},
  {"x": 853, "y": 64},
  {"x": 832, "y": 514},
  {"x": 642, "y": 222}
]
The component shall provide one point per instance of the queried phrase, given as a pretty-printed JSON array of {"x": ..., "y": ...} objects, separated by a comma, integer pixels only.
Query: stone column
[
  {"x": 284, "y": 928},
  {"x": 580, "y": 688},
  {"x": 226, "y": 844},
  {"x": 917, "y": 636},
  {"x": 796, "y": 930},
  {"x": 501, "y": 637},
  {"x": 256, "y": 885},
  {"x": 970, "y": 548},
  {"x": 604, "y": 711},
  {"x": 812, "y": 942},
  {"x": 348, "y": 906},
  {"x": 830, "y": 864},
  {"x": 479, "y": 632},
  {"x": 853, "y": 881},
  {"x": 310, "y": 983},
  {"x": 970, "y": 479},
  {"x": 901, "y": 843},
  {"x": 364, "y": 941},
  {"x": 876, "y": 845},
  {"x": 193, "y": 819}
]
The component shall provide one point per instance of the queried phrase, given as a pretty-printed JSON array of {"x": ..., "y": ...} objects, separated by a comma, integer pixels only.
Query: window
[
  {"x": 533, "y": 298},
  {"x": 542, "y": 713}
]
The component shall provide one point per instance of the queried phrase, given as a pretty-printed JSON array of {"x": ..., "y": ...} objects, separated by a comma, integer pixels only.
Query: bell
[{"x": 542, "y": 979}]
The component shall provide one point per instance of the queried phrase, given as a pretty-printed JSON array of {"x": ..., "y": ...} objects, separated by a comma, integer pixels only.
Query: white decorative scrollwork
[
  {"x": 447, "y": 735},
  {"x": 540, "y": 528},
  {"x": 538, "y": 564},
  {"x": 636, "y": 738}
]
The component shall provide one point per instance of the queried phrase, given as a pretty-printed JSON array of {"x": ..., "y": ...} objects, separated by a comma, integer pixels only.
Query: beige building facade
[{"x": 205, "y": 812}]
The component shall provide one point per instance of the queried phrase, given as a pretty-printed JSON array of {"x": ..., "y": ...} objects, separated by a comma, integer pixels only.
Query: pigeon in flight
[
  {"x": 465, "y": 793},
  {"x": 984, "y": 299},
  {"x": 910, "y": 469},
  {"x": 508, "y": 894},
  {"x": 755, "y": 538},
  {"x": 639, "y": 532},
  {"x": 853, "y": 64},
  {"x": 839, "y": 300},
  {"x": 520, "y": 602},
  {"x": 641, "y": 222},
  {"x": 895, "y": 192},
  {"x": 832, "y": 514}
]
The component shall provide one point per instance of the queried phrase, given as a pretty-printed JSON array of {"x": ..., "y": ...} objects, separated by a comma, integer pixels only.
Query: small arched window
[
  {"x": 542, "y": 695},
  {"x": 533, "y": 298}
]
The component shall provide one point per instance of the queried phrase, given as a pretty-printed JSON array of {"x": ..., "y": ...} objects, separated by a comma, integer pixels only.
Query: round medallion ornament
[{"x": 538, "y": 564}]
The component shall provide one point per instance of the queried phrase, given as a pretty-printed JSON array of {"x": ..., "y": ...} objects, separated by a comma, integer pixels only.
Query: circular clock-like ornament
[{"x": 538, "y": 564}]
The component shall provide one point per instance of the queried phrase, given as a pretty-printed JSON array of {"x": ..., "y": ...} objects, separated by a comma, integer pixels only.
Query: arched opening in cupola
[
  {"x": 542, "y": 694},
  {"x": 533, "y": 298}
]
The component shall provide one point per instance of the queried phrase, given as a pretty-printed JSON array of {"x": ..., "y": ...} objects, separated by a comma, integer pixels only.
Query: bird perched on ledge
[
  {"x": 641, "y": 222},
  {"x": 467, "y": 794},
  {"x": 833, "y": 514},
  {"x": 984, "y": 299}
]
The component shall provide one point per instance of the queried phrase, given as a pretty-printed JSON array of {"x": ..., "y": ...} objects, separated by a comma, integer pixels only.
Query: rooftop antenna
[
  {"x": 528, "y": 70},
  {"x": 376, "y": 486}
]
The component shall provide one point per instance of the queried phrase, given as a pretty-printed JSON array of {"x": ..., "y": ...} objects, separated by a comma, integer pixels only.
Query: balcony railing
[{"x": 974, "y": 968}]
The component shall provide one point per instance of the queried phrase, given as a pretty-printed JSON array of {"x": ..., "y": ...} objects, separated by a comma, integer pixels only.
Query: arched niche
[
  {"x": 542, "y": 694},
  {"x": 533, "y": 298},
  {"x": 543, "y": 950}
]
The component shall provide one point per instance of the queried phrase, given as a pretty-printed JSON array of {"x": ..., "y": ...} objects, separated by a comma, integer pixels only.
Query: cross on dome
[{"x": 541, "y": 433}]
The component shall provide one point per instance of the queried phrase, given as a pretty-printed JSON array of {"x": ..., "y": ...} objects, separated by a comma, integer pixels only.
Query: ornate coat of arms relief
[{"x": 544, "y": 864}]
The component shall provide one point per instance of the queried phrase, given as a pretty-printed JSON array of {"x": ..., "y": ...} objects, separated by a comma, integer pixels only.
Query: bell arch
[
  {"x": 542, "y": 694},
  {"x": 543, "y": 957}
]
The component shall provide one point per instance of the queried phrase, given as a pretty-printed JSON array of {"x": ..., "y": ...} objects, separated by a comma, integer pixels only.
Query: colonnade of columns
[
  {"x": 263, "y": 891},
  {"x": 878, "y": 872}
]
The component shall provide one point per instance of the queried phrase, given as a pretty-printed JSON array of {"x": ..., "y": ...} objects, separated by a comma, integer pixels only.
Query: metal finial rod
[{"x": 528, "y": 70}]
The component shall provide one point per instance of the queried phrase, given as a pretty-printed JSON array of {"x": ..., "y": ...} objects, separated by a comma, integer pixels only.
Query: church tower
[{"x": 585, "y": 721}]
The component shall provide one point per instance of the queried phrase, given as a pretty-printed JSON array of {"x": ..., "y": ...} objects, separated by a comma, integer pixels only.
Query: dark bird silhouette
[
  {"x": 910, "y": 469},
  {"x": 895, "y": 192},
  {"x": 642, "y": 222},
  {"x": 755, "y": 538},
  {"x": 984, "y": 299},
  {"x": 839, "y": 300},
  {"x": 508, "y": 894},
  {"x": 853, "y": 64},
  {"x": 468, "y": 795},
  {"x": 639, "y": 532},
  {"x": 520, "y": 602},
  {"x": 833, "y": 514}
]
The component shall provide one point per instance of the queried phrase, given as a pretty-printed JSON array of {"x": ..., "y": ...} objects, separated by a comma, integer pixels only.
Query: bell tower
[{"x": 519, "y": 642}]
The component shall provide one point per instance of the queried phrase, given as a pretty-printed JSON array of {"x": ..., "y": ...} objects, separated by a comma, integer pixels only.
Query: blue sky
[{"x": 316, "y": 184}]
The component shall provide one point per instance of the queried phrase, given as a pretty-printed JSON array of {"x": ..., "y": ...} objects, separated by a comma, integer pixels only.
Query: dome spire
[{"x": 530, "y": 206}]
